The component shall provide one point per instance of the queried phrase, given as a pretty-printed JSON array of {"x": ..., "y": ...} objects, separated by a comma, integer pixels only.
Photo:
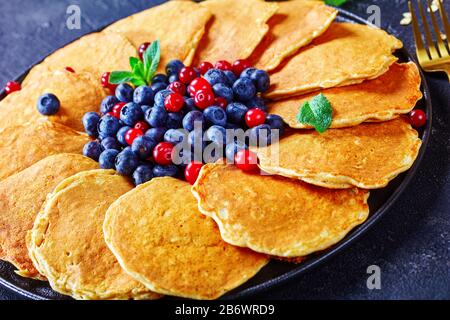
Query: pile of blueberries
[{"x": 138, "y": 128}]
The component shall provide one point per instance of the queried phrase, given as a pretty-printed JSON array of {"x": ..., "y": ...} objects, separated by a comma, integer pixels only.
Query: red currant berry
[
  {"x": 117, "y": 108},
  {"x": 199, "y": 84},
  {"x": 205, "y": 66},
  {"x": 133, "y": 134},
  {"x": 417, "y": 118},
  {"x": 203, "y": 99},
  {"x": 255, "y": 117},
  {"x": 192, "y": 171},
  {"x": 240, "y": 65},
  {"x": 174, "y": 102},
  {"x": 107, "y": 84},
  {"x": 162, "y": 154},
  {"x": 12, "y": 86},
  {"x": 70, "y": 69},
  {"x": 221, "y": 102},
  {"x": 142, "y": 125},
  {"x": 246, "y": 161},
  {"x": 187, "y": 74},
  {"x": 178, "y": 87},
  {"x": 142, "y": 48},
  {"x": 224, "y": 65}
]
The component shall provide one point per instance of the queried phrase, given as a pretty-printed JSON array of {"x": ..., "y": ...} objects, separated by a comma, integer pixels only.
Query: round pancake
[
  {"x": 296, "y": 23},
  {"x": 78, "y": 93},
  {"x": 367, "y": 156},
  {"x": 66, "y": 243},
  {"x": 345, "y": 54},
  {"x": 21, "y": 197},
  {"x": 235, "y": 30},
  {"x": 178, "y": 25},
  {"x": 276, "y": 215},
  {"x": 161, "y": 239},
  {"x": 395, "y": 92},
  {"x": 26, "y": 144}
]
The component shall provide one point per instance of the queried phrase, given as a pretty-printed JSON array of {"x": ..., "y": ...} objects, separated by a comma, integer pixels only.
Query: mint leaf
[
  {"x": 335, "y": 3},
  {"x": 118, "y": 77},
  {"x": 317, "y": 113},
  {"x": 137, "y": 67},
  {"x": 152, "y": 57}
]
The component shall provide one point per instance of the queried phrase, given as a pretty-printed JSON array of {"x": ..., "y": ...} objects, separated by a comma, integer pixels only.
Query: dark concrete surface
[{"x": 411, "y": 244}]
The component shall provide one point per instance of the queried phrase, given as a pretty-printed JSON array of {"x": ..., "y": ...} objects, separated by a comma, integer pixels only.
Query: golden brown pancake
[
  {"x": 367, "y": 156},
  {"x": 66, "y": 243},
  {"x": 384, "y": 98},
  {"x": 161, "y": 239},
  {"x": 178, "y": 25},
  {"x": 345, "y": 54},
  {"x": 78, "y": 94},
  {"x": 295, "y": 25},
  {"x": 21, "y": 197},
  {"x": 276, "y": 215},
  {"x": 95, "y": 53},
  {"x": 235, "y": 30},
  {"x": 24, "y": 145}
]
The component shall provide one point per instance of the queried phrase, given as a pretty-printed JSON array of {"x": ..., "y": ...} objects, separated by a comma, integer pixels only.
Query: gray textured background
[{"x": 412, "y": 242}]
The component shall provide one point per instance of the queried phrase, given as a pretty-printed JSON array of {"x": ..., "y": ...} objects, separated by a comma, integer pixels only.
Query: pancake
[
  {"x": 161, "y": 239},
  {"x": 66, "y": 243},
  {"x": 24, "y": 145},
  {"x": 95, "y": 53},
  {"x": 22, "y": 195},
  {"x": 78, "y": 93},
  {"x": 276, "y": 215},
  {"x": 384, "y": 98},
  {"x": 295, "y": 25},
  {"x": 235, "y": 30},
  {"x": 367, "y": 156},
  {"x": 345, "y": 54},
  {"x": 179, "y": 25}
]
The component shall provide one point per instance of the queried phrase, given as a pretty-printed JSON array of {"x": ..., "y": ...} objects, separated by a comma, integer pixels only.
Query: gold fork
[{"x": 434, "y": 56}]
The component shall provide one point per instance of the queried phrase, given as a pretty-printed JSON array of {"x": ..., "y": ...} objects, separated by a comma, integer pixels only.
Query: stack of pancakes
[{"x": 93, "y": 236}]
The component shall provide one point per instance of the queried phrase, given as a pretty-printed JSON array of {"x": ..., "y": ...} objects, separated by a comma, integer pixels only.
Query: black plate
[{"x": 275, "y": 273}]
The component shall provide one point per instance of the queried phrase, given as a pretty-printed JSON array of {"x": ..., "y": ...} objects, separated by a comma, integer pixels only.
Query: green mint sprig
[
  {"x": 335, "y": 3},
  {"x": 141, "y": 71},
  {"x": 317, "y": 113}
]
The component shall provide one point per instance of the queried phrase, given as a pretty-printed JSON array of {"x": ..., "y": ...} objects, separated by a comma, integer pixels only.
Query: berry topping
[
  {"x": 156, "y": 134},
  {"x": 143, "y": 147},
  {"x": 221, "y": 102},
  {"x": 132, "y": 134},
  {"x": 161, "y": 96},
  {"x": 222, "y": 90},
  {"x": 121, "y": 135},
  {"x": 240, "y": 65},
  {"x": 108, "y": 104},
  {"x": 204, "y": 67},
  {"x": 192, "y": 171},
  {"x": 247, "y": 73},
  {"x": 160, "y": 78},
  {"x": 236, "y": 112},
  {"x": 48, "y": 104},
  {"x": 117, "y": 109},
  {"x": 178, "y": 87},
  {"x": 131, "y": 113},
  {"x": 246, "y": 161},
  {"x": 124, "y": 92},
  {"x": 216, "y": 134},
  {"x": 142, "y": 48},
  {"x": 215, "y": 116},
  {"x": 260, "y": 135},
  {"x": 92, "y": 150},
  {"x": 12, "y": 86},
  {"x": 261, "y": 80},
  {"x": 174, "y": 120},
  {"x": 143, "y": 95},
  {"x": 107, "y": 159},
  {"x": 215, "y": 76},
  {"x": 111, "y": 143},
  {"x": 232, "y": 149},
  {"x": 70, "y": 69},
  {"x": 244, "y": 89},
  {"x": 126, "y": 162},
  {"x": 255, "y": 117},
  {"x": 174, "y": 67},
  {"x": 165, "y": 171},
  {"x": 275, "y": 122},
  {"x": 90, "y": 123},
  {"x": 174, "y": 102},
  {"x": 199, "y": 84},
  {"x": 142, "y": 125},
  {"x": 108, "y": 126},
  {"x": 204, "y": 99},
  {"x": 223, "y": 65},
  {"x": 156, "y": 117},
  {"x": 417, "y": 118},
  {"x": 162, "y": 153},
  {"x": 106, "y": 84},
  {"x": 191, "y": 119},
  {"x": 142, "y": 174},
  {"x": 187, "y": 75},
  {"x": 175, "y": 136}
]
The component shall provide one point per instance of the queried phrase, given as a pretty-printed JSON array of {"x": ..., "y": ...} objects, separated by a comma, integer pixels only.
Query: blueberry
[
  {"x": 145, "y": 108},
  {"x": 143, "y": 174},
  {"x": 156, "y": 134},
  {"x": 217, "y": 135},
  {"x": 111, "y": 143},
  {"x": 143, "y": 146},
  {"x": 174, "y": 67},
  {"x": 215, "y": 76},
  {"x": 190, "y": 118},
  {"x": 244, "y": 89},
  {"x": 124, "y": 92},
  {"x": 143, "y": 95},
  {"x": 261, "y": 80},
  {"x": 232, "y": 148},
  {"x": 92, "y": 150},
  {"x": 126, "y": 162},
  {"x": 215, "y": 116},
  {"x": 231, "y": 77},
  {"x": 189, "y": 105},
  {"x": 160, "y": 97},
  {"x": 257, "y": 102},
  {"x": 165, "y": 171},
  {"x": 159, "y": 86},
  {"x": 173, "y": 78},
  {"x": 121, "y": 135},
  {"x": 174, "y": 136},
  {"x": 174, "y": 120},
  {"x": 108, "y": 126},
  {"x": 156, "y": 117},
  {"x": 160, "y": 78},
  {"x": 247, "y": 73},
  {"x": 108, "y": 104},
  {"x": 107, "y": 159},
  {"x": 221, "y": 90},
  {"x": 229, "y": 125},
  {"x": 275, "y": 122},
  {"x": 48, "y": 104},
  {"x": 90, "y": 123},
  {"x": 236, "y": 112},
  {"x": 260, "y": 135},
  {"x": 131, "y": 113}
]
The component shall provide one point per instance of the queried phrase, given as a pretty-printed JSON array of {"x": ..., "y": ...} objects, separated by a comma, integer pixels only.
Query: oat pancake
[
  {"x": 162, "y": 240},
  {"x": 21, "y": 197},
  {"x": 276, "y": 215},
  {"x": 66, "y": 243},
  {"x": 345, "y": 54},
  {"x": 384, "y": 98},
  {"x": 95, "y": 53},
  {"x": 178, "y": 25},
  {"x": 295, "y": 24},
  {"x": 235, "y": 30},
  {"x": 78, "y": 94},
  {"x": 24, "y": 145},
  {"x": 367, "y": 156}
]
